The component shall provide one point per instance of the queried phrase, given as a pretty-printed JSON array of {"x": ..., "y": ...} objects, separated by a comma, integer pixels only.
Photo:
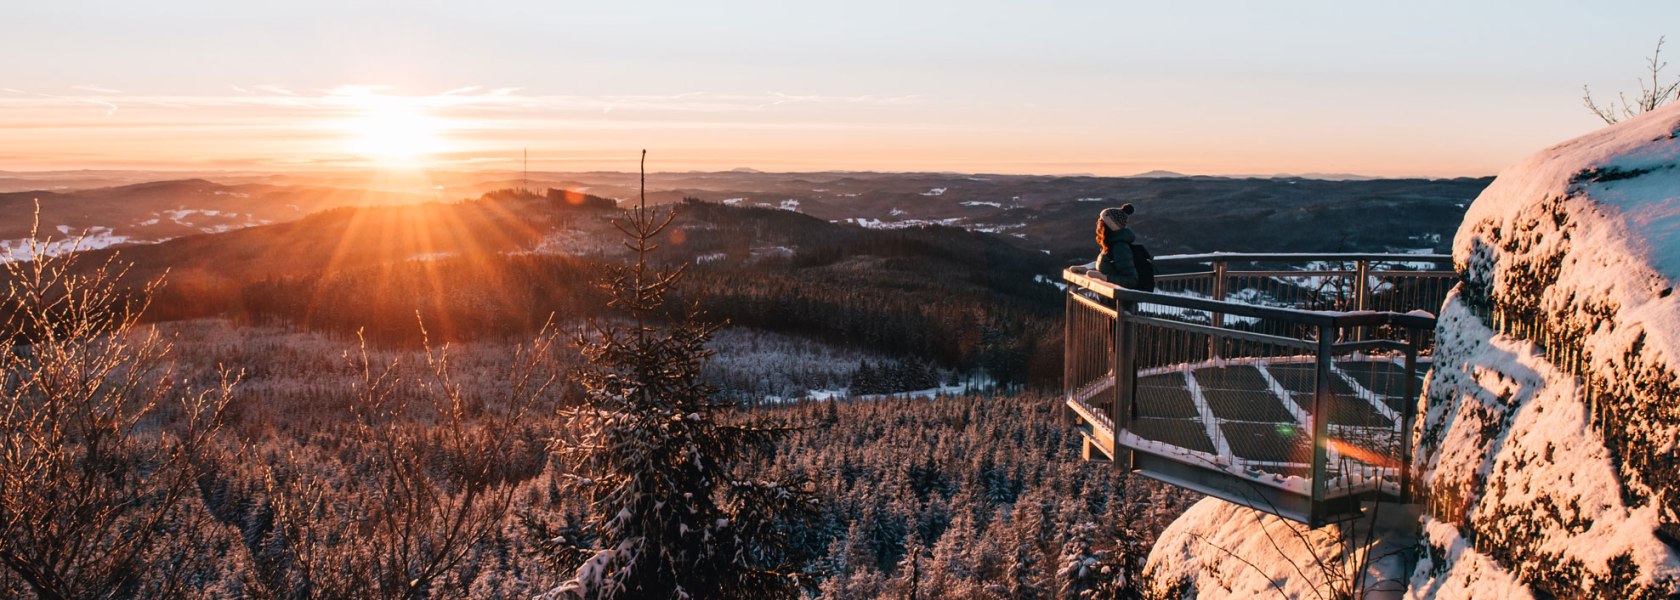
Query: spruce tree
[
  {"x": 864, "y": 380},
  {"x": 664, "y": 465}
]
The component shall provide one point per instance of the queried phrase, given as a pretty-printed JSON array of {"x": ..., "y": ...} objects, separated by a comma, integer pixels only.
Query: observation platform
[{"x": 1270, "y": 386}]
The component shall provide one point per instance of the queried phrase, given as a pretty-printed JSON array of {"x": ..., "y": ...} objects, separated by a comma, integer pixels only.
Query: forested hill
[
  {"x": 848, "y": 259},
  {"x": 503, "y": 263}
]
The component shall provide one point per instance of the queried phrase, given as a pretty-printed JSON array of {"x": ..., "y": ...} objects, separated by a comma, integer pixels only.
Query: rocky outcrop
[
  {"x": 1548, "y": 443},
  {"x": 1548, "y": 447}
]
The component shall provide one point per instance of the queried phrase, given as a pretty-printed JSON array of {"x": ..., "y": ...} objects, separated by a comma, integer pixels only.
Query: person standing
[{"x": 1115, "y": 239}]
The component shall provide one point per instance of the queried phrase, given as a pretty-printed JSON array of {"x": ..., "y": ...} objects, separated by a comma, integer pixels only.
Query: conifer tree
[
  {"x": 864, "y": 379},
  {"x": 908, "y": 580},
  {"x": 663, "y": 463}
]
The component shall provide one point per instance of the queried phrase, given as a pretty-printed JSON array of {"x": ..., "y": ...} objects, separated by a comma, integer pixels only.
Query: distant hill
[
  {"x": 160, "y": 210},
  {"x": 1054, "y": 214},
  {"x": 1041, "y": 213},
  {"x": 899, "y": 263}
]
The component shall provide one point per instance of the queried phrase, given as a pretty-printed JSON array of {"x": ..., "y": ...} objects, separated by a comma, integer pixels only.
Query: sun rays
[{"x": 436, "y": 245}]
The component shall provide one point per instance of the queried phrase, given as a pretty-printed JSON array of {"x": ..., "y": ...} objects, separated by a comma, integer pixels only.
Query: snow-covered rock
[
  {"x": 1550, "y": 445},
  {"x": 1523, "y": 495},
  {"x": 1221, "y": 550},
  {"x": 1548, "y": 439}
]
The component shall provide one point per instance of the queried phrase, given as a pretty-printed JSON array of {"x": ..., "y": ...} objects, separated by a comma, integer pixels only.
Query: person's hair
[{"x": 1119, "y": 216}]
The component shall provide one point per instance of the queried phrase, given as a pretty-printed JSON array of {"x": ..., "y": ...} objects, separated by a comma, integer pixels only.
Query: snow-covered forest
[
  {"x": 261, "y": 457},
  {"x": 963, "y": 497}
]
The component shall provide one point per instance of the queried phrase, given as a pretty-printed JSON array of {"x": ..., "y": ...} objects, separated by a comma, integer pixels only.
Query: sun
[{"x": 393, "y": 132}]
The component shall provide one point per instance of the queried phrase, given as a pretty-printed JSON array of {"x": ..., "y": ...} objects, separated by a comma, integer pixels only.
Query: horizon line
[{"x": 1148, "y": 174}]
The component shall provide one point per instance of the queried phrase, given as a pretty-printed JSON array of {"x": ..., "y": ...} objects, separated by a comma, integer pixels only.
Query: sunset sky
[{"x": 1111, "y": 88}]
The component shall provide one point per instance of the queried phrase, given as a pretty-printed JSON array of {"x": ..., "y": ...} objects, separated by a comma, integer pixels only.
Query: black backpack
[{"x": 1145, "y": 264}]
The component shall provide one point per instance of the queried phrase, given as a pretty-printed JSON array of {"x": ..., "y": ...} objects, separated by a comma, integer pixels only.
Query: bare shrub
[
  {"x": 430, "y": 481},
  {"x": 1650, "y": 97},
  {"x": 97, "y": 434}
]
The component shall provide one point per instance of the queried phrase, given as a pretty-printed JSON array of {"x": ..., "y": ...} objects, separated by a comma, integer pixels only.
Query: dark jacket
[{"x": 1115, "y": 262}]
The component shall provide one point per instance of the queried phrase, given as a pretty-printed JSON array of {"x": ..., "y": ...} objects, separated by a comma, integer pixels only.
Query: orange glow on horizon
[{"x": 353, "y": 127}]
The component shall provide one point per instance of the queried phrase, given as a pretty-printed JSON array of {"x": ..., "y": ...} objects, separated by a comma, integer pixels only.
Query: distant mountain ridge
[{"x": 1177, "y": 213}]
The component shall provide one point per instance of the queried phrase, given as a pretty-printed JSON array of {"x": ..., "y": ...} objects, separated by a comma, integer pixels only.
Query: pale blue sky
[{"x": 1389, "y": 88}]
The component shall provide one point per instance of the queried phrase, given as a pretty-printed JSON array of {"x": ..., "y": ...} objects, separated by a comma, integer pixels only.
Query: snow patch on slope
[
  {"x": 872, "y": 223},
  {"x": 94, "y": 238}
]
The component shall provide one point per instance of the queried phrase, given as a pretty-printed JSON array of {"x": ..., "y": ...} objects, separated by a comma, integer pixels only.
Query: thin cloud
[
  {"x": 470, "y": 98},
  {"x": 110, "y": 107},
  {"x": 273, "y": 89},
  {"x": 358, "y": 90}
]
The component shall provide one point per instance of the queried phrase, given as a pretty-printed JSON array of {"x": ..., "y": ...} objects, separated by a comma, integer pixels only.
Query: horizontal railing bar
[
  {"x": 1417, "y": 320},
  {"x": 1372, "y": 345},
  {"x": 1110, "y": 290},
  {"x": 1440, "y": 274},
  {"x": 1222, "y": 332},
  {"x": 1178, "y": 276},
  {"x": 1096, "y": 306},
  {"x": 1291, "y": 315},
  {"x": 1343, "y": 273},
  {"x": 1305, "y": 317},
  {"x": 1301, "y": 256},
  {"x": 1285, "y": 273}
]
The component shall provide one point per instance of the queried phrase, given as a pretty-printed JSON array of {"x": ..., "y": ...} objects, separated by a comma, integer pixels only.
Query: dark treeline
[
  {"x": 870, "y": 378},
  {"x": 1014, "y": 346},
  {"x": 961, "y": 299}
]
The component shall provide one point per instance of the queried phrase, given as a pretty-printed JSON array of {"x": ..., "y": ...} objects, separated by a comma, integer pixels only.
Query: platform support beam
[
  {"x": 1124, "y": 407},
  {"x": 1323, "y": 399},
  {"x": 1220, "y": 281},
  {"x": 1408, "y": 415}
]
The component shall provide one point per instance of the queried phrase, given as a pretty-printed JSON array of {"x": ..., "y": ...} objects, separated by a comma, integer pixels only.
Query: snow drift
[{"x": 1548, "y": 444}]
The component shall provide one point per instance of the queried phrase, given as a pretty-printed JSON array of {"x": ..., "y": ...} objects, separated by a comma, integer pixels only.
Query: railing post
[
  {"x": 1408, "y": 414},
  {"x": 1361, "y": 293},
  {"x": 1068, "y": 360},
  {"x": 1218, "y": 293},
  {"x": 1125, "y": 392},
  {"x": 1323, "y": 397}
]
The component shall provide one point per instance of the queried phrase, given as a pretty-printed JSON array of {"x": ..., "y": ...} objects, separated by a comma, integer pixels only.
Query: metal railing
[{"x": 1285, "y": 382}]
